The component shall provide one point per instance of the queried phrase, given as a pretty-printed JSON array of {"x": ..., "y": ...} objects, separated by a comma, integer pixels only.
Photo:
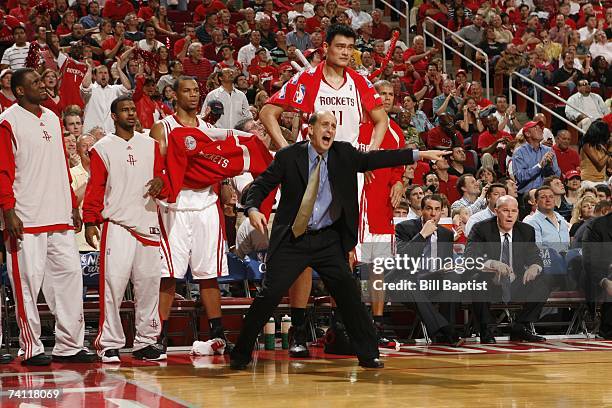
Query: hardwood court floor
[
  {"x": 568, "y": 373},
  {"x": 518, "y": 379}
]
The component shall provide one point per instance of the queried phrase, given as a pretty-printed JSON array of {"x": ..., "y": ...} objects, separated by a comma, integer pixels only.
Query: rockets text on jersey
[{"x": 345, "y": 104}]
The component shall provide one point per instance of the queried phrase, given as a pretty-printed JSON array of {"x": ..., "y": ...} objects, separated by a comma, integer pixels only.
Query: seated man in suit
[
  {"x": 424, "y": 238},
  {"x": 512, "y": 265},
  {"x": 596, "y": 260}
]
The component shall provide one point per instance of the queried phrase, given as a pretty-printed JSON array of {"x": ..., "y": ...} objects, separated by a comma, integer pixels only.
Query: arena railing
[
  {"x": 406, "y": 15},
  {"x": 537, "y": 104},
  {"x": 442, "y": 40}
]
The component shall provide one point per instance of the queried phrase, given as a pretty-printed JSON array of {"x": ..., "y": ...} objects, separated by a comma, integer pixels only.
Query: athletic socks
[
  {"x": 163, "y": 336},
  {"x": 298, "y": 316},
  {"x": 216, "y": 328}
]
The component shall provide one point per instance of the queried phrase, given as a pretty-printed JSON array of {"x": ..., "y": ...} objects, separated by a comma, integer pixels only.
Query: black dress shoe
[
  {"x": 298, "y": 347},
  {"x": 487, "y": 338},
  {"x": 5, "y": 358},
  {"x": 523, "y": 334},
  {"x": 372, "y": 363},
  {"x": 236, "y": 364},
  {"x": 80, "y": 357},
  {"x": 38, "y": 360},
  {"x": 447, "y": 336}
]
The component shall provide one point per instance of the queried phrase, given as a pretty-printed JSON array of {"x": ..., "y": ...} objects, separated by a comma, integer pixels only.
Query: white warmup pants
[
  {"x": 123, "y": 257},
  {"x": 52, "y": 258}
]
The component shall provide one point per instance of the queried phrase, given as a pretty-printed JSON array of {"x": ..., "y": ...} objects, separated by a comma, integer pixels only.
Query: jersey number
[{"x": 338, "y": 116}]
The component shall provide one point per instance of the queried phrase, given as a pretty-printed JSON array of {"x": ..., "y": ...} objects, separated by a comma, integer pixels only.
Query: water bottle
[
  {"x": 285, "y": 325},
  {"x": 269, "y": 330}
]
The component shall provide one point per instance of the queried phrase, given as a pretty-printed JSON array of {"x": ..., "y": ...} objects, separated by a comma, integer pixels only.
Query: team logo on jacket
[
  {"x": 283, "y": 91},
  {"x": 190, "y": 143},
  {"x": 300, "y": 93},
  {"x": 295, "y": 78}
]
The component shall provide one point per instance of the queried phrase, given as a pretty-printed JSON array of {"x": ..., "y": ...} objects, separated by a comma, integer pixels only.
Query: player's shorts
[
  {"x": 194, "y": 239},
  {"x": 374, "y": 246}
]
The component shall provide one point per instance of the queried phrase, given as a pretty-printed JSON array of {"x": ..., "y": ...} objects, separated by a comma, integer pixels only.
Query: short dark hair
[
  {"x": 461, "y": 182},
  {"x": 495, "y": 185},
  {"x": 434, "y": 197},
  {"x": 602, "y": 188},
  {"x": 19, "y": 27},
  {"x": 237, "y": 77},
  {"x": 548, "y": 180},
  {"x": 498, "y": 97},
  {"x": 18, "y": 78},
  {"x": 313, "y": 118},
  {"x": 427, "y": 174},
  {"x": 541, "y": 188},
  {"x": 178, "y": 81},
  {"x": 411, "y": 188},
  {"x": 118, "y": 100},
  {"x": 603, "y": 205},
  {"x": 339, "y": 29}
]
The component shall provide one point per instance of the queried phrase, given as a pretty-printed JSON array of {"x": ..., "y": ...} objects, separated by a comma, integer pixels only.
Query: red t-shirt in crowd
[
  {"x": 115, "y": 11},
  {"x": 312, "y": 24},
  {"x": 449, "y": 188},
  {"x": 201, "y": 70},
  {"x": 486, "y": 139},
  {"x": 420, "y": 65},
  {"x": 437, "y": 137},
  {"x": 5, "y": 102},
  {"x": 202, "y": 11},
  {"x": 110, "y": 43},
  {"x": 381, "y": 31},
  {"x": 483, "y": 103},
  {"x": 21, "y": 14},
  {"x": 439, "y": 16},
  {"x": 146, "y": 13},
  {"x": 567, "y": 160}
]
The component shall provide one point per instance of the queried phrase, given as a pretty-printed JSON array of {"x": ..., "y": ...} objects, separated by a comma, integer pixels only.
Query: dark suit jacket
[
  {"x": 410, "y": 242},
  {"x": 484, "y": 241},
  {"x": 597, "y": 253},
  {"x": 290, "y": 169}
]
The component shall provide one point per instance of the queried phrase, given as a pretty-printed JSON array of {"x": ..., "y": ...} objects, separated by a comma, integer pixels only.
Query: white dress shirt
[
  {"x": 97, "y": 105},
  {"x": 235, "y": 106}
]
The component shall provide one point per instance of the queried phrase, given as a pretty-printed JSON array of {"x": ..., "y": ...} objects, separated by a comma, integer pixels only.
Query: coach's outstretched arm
[{"x": 377, "y": 159}]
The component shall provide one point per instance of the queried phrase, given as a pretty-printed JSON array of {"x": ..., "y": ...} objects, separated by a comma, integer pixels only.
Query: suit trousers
[
  {"x": 533, "y": 295},
  {"x": 444, "y": 316},
  {"x": 323, "y": 252}
]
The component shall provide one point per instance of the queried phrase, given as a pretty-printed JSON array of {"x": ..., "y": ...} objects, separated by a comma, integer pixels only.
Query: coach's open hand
[
  {"x": 258, "y": 221},
  {"x": 433, "y": 154}
]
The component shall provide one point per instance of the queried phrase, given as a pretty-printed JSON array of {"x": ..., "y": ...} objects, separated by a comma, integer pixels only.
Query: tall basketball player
[
  {"x": 123, "y": 165},
  {"x": 40, "y": 216},
  {"x": 191, "y": 229},
  {"x": 330, "y": 86}
]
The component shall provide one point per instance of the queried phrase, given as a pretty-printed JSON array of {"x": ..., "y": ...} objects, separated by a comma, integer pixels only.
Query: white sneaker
[{"x": 111, "y": 356}]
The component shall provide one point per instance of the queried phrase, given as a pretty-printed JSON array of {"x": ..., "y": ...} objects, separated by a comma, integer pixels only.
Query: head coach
[{"x": 316, "y": 225}]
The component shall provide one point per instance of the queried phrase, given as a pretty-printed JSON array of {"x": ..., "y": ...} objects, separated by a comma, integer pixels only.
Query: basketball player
[
  {"x": 40, "y": 215},
  {"x": 192, "y": 233},
  {"x": 376, "y": 203},
  {"x": 124, "y": 165},
  {"x": 330, "y": 86}
]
